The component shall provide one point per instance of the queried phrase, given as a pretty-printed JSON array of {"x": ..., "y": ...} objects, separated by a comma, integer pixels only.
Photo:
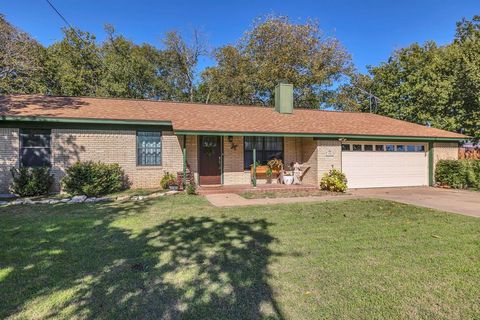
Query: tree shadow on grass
[{"x": 184, "y": 268}]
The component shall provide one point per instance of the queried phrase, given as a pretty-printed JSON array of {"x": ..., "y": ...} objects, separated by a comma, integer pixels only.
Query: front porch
[{"x": 224, "y": 160}]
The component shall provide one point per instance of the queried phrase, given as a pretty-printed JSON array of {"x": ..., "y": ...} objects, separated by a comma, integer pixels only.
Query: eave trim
[
  {"x": 320, "y": 136},
  {"x": 84, "y": 120}
]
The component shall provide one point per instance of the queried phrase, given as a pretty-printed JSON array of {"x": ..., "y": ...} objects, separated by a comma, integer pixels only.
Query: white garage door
[{"x": 387, "y": 165}]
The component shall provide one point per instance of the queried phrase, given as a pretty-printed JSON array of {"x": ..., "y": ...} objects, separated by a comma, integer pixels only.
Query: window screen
[
  {"x": 35, "y": 150},
  {"x": 149, "y": 148}
]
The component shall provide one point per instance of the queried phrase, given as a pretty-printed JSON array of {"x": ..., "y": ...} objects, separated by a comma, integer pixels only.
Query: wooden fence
[{"x": 469, "y": 153}]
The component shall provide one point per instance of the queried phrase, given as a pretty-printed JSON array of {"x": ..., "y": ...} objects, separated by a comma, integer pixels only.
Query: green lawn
[{"x": 179, "y": 258}]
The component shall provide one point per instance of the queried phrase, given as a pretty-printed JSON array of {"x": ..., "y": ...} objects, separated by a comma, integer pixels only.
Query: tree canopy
[
  {"x": 73, "y": 65},
  {"x": 21, "y": 61},
  {"x": 276, "y": 50},
  {"x": 427, "y": 84}
]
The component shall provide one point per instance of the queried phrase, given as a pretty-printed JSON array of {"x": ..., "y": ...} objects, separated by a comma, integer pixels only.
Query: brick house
[{"x": 217, "y": 143}]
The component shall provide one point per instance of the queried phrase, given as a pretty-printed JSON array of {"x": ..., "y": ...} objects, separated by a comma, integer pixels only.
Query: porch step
[{"x": 204, "y": 190}]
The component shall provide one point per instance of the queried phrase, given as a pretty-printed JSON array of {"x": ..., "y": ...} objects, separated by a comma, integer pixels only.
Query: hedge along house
[{"x": 216, "y": 143}]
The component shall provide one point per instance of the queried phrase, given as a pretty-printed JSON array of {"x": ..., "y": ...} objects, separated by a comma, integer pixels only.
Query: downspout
[
  {"x": 254, "y": 177},
  {"x": 184, "y": 161}
]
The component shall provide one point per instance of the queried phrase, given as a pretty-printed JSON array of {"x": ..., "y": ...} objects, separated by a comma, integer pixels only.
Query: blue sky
[{"x": 370, "y": 29}]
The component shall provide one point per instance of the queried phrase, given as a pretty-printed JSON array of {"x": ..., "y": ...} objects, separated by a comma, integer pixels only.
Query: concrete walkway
[
  {"x": 456, "y": 201},
  {"x": 234, "y": 200}
]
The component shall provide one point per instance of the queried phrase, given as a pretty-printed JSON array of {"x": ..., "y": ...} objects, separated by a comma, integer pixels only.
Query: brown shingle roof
[{"x": 217, "y": 118}]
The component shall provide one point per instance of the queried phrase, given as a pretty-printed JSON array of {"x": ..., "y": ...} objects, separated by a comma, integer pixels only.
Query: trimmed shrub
[
  {"x": 29, "y": 182},
  {"x": 94, "y": 179},
  {"x": 458, "y": 174},
  {"x": 168, "y": 179},
  {"x": 476, "y": 172},
  {"x": 334, "y": 180},
  {"x": 452, "y": 173}
]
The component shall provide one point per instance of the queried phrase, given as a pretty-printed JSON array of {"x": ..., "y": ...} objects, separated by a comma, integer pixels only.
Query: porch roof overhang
[{"x": 322, "y": 136}]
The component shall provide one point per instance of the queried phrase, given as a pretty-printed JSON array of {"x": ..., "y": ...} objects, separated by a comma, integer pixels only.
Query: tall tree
[
  {"x": 21, "y": 61},
  {"x": 276, "y": 50},
  {"x": 427, "y": 84},
  {"x": 415, "y": 85},
  {"x": 183, "y": 59},
  {"x": 131, "y": 70},
  {"x": 229, "y": 82},
  {"x": 466, "y": 49},
  {"x": 356, "y": 95},
  {"x": 74, "y": 64}
]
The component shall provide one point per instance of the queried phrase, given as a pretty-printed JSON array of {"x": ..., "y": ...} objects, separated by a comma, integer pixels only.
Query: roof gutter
[
  {"x": 83, "y": 120},
  {"x": 319, "y": 136}
]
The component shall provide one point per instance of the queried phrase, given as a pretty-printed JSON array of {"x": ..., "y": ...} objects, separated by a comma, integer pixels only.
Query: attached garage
[{"x": 371, "y": 165}]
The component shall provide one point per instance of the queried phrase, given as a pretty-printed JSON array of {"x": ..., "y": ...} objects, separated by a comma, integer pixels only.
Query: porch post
[
  {"x": 254, "y": 178},
  {"x": 431, "y": 180},
  {"x": 184, "y": 161}
]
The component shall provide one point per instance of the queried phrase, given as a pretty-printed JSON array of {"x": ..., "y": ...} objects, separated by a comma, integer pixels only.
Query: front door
[{"x": 210, "y": 160}]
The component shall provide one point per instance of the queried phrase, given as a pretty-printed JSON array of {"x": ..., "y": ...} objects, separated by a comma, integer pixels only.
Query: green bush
[
  {"x": 94, "y": 179},
  {"x": 29, "y": 182},
  {"x": 167, "y": 180},
  {"x": 191, "y": 189},
  {"x": 458, "y": 174},
  {"x": 334, "y": 180},
  {"x": 476, "y": 171}
]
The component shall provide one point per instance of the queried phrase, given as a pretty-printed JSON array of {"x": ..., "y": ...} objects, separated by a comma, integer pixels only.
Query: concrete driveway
[{"x": 457, "y": 201}]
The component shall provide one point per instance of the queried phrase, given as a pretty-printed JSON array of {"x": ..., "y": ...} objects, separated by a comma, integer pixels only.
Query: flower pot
[
  {"x": 288, "y": 179},
  {"x": 173, "y": 187}
]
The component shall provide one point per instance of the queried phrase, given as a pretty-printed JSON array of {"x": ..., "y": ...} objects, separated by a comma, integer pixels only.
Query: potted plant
[
  {"x": 168, "y": 182},
  {"x": 172, "y": 185},
  {"x": 275, "y": 164},
  {"x": 269, "y": 174},
  {"x": 288, "y": 177},
  {"x": 275, "y": 167}
]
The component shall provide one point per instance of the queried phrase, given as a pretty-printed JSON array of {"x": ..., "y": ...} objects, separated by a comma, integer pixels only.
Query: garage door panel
[{"x": 385, "y": 169}]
